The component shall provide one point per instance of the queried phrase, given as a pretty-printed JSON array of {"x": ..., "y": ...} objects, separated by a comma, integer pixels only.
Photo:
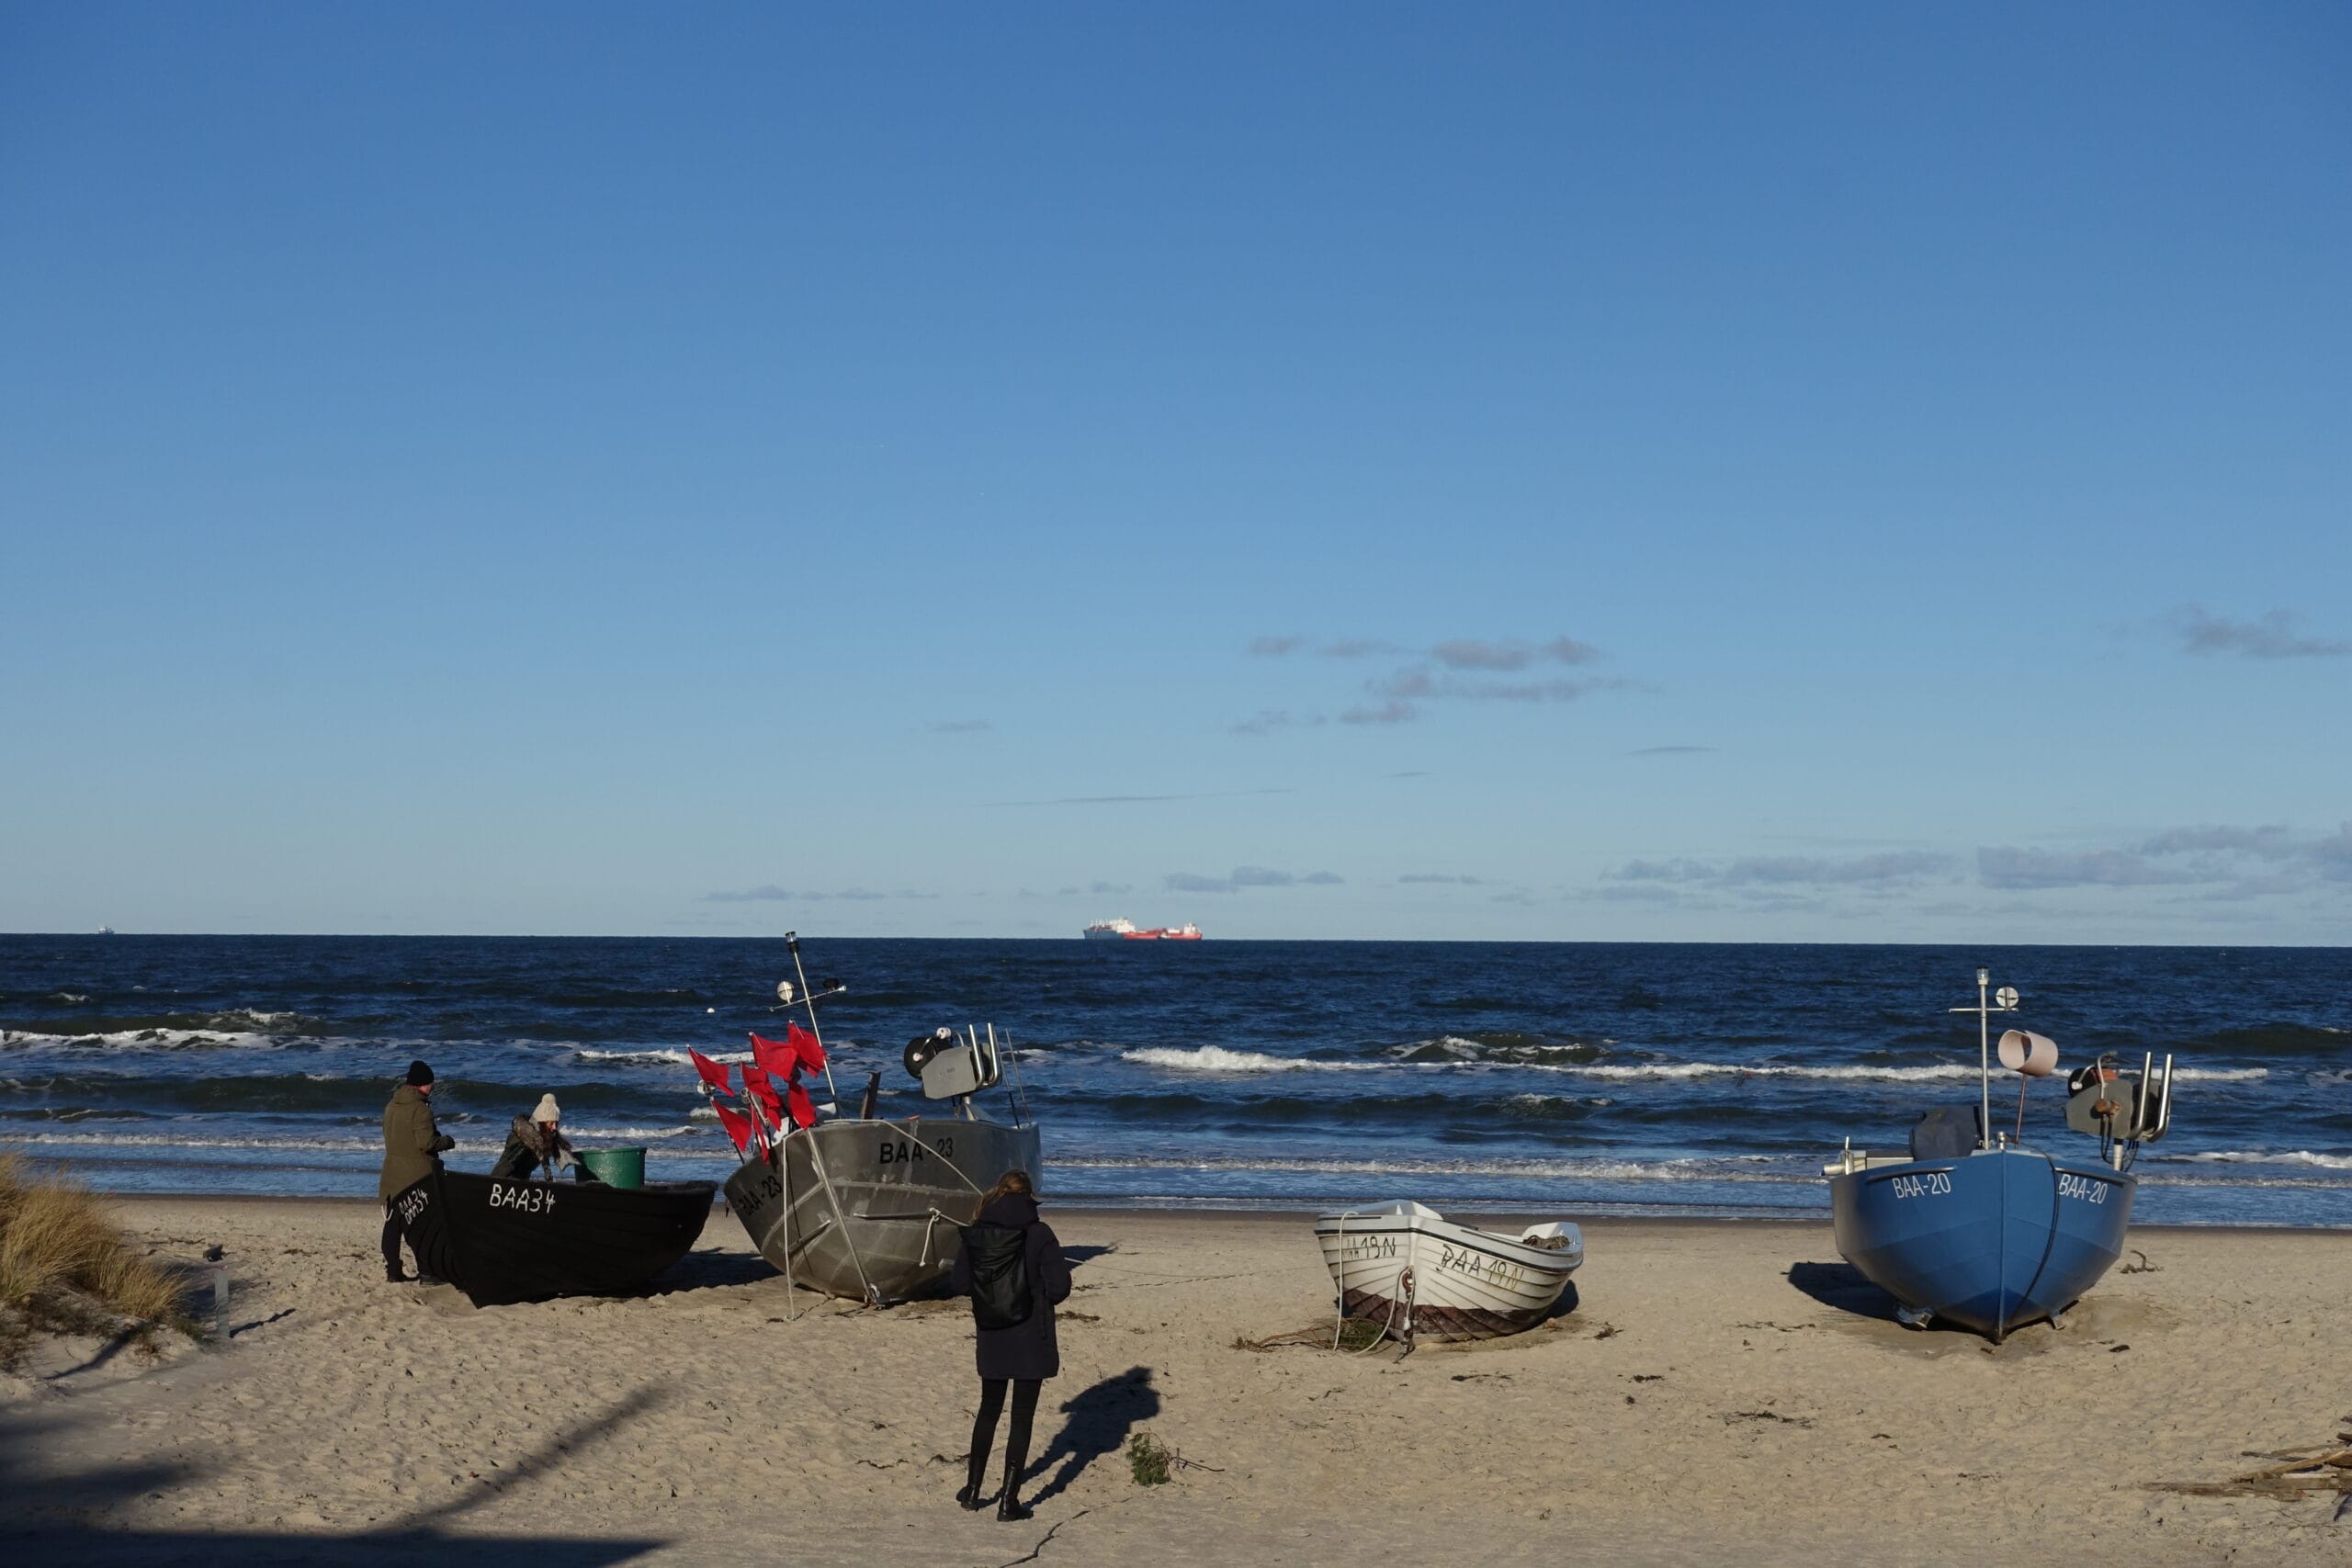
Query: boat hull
[
  {"x": 502, "y": 1242},
  {"x": 874, "y": 1205},
  {"x": 1991, "y": 1241},
  {"x": 1465, "y": 1284}
]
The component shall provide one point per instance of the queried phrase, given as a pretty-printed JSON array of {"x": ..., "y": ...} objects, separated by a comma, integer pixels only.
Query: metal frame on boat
[
  {"x": 1982, "y": 1229},
  {"x": 868, "y": 1207}
]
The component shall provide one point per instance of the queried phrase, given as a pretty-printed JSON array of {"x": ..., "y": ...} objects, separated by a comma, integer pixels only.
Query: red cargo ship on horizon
[{"x": 1126, "y": 931}]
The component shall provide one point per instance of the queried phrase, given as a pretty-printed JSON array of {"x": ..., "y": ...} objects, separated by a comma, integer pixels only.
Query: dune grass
[{"x": 66, "y": 1266}]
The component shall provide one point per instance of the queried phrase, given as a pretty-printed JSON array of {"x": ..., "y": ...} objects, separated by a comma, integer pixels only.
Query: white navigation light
[
  {"x": 2025, "y": 1051},
  {"x": 784, "y": 991},
  {"x": 2005, "y": 998}
]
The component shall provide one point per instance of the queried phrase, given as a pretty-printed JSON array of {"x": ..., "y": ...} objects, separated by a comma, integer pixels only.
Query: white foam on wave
[
  {"x": 1736, "y": 1168},
  {"x": 1218, "y": 1059},
  {"x": 314, "y": 1142},
  {"x": 2261, "y": 1156},
  {"x": 658, "y": 1056},
  {"x": 1662, "y": 1070},
  {"x": 139, "y": 1038},
  {"x": 197, "y": 1140}
]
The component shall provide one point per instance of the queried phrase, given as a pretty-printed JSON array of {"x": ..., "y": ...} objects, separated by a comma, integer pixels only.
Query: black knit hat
[{"x": 419, "y": 1074}]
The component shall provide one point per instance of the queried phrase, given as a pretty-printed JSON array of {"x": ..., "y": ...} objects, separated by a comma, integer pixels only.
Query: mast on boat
[
  {"x": 807, "y": 1002},
  {"x": 2003, "y": 1001}
]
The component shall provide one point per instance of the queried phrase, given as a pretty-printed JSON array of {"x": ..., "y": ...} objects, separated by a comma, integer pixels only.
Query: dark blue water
[{"x": 1592, "y": 1078}]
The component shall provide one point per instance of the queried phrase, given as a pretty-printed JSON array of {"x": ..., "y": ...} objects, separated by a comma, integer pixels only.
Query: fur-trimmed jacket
[{"x": 532, "y": 1148}]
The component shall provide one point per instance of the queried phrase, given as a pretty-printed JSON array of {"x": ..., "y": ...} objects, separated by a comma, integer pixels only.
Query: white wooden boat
[{"x": 1406, "y": 1267}]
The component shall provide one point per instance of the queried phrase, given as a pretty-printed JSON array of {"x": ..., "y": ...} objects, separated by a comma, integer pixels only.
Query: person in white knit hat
[{"x": 534, "y": 1144}]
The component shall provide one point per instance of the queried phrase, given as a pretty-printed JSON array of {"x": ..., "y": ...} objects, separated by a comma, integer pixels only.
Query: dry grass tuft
[{"x": 63, "y": 1261}]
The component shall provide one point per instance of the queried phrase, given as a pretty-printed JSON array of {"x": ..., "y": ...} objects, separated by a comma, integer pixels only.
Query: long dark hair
[{"x": 1011, "y": 1183}]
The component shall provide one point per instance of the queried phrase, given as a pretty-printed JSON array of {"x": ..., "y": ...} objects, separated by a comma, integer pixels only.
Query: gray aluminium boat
[
  {"x": 870, "y": 1210},
  {"x": 868, "y": 1207}
]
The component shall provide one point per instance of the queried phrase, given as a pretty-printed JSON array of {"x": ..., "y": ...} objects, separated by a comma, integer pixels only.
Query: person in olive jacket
[
  {"x": 413, "y": 1147},
  {"x": 1025, "y": 1354}
]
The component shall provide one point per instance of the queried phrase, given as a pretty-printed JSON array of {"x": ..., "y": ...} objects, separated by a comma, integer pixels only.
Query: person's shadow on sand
[{"x": 1100, "y": 1420}]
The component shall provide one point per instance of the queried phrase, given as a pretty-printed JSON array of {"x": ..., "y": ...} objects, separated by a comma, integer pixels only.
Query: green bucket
[{"x": 616, "y": 1167}]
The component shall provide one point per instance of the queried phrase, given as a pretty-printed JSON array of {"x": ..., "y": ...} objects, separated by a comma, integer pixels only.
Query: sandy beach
[{"x": 1721, "y": 1391}]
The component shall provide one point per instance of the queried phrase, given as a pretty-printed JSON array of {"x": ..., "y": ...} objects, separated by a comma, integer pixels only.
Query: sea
[{"x": 1576, "y": 1078}]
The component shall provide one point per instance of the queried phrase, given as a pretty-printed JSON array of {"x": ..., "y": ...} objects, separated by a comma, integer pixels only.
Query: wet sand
[{"x": 1721, "y": 1391}]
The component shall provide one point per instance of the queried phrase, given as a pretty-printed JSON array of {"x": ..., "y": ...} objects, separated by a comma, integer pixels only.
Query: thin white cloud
[
  {"x": 2268, "y": 841},
  {"x": 1266, "y": 721},
  {"x": 770, "y": 893},
  {"x": 1244, "y": 877},
  {"x": 1510, "y": 653},
  {"x": 2010, "y": 868},
  {"x": 2273, "y": 635},
  {"x": 1394, "y": 710},
  {"x": 1902, "y": 868},
  {"x": 1143, "y": 799},
  {"x": 2246, "y": 863}
]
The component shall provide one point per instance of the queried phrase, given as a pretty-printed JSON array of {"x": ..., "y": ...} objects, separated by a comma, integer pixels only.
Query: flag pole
[{"x": 809, "y": 1005}]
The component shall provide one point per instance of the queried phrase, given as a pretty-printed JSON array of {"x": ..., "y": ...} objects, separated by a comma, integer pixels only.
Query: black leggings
[
  {"x": 392, "y": 1240},
  {"x": 1016, "y": 1442}
]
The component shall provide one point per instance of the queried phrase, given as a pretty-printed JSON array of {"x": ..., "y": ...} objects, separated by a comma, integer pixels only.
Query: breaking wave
[
  {"x": 1735, "y": 1168},
  {"x": 1218, "y": 1059},
  {"x": 373, "y": 1146},
  {"x": 2261, "y": 1156},
  {"x": 657, "y": 1057}
]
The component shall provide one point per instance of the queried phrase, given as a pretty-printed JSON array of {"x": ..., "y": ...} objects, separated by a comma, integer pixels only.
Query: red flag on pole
[
  {"x": 763, "y": 1094},
  {"x": 796, "y": 1099},
  {"x": 713, "y": 1073},
  {"x": 806, "y": 1046},
  {"x": 777, "y": 1056},
  {"x": 738, "y": 1128}
]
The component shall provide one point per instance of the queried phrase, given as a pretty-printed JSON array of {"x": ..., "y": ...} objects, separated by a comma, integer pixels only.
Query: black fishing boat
[{"x": 503, "y": 1241}]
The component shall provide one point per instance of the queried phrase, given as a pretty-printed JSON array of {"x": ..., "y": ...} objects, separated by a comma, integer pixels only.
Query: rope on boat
[
  {"x": 1340, "y": 1323},
  {"x": 825, "y": 1180}
]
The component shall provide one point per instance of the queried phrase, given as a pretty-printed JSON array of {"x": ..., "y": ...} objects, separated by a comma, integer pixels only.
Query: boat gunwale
[{"x": 1532, "y": 1255}]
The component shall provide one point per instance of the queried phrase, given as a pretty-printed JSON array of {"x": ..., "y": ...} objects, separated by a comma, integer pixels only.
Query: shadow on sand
[
  {"x": 49, "y": 1517},
  {"x": 711, "y": 1266},
  {"x": 1841, "y": 1285},
  {"x": 1100, "y": 1419}
]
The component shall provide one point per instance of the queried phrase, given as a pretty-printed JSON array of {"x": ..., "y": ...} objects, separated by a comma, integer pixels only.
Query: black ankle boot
[
  {"x": 1011, "y": 1508},
  {"x": 974, "y": 1473}
]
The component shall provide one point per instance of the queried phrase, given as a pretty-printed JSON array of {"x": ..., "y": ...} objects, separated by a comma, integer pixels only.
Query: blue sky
[{"x": 1562, "y": 472}]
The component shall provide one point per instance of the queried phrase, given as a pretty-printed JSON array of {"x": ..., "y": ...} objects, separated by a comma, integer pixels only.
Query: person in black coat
[{"x": 1023, "y": 1353}]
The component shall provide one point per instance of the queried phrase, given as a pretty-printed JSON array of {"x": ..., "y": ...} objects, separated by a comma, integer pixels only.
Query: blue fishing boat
[{"x": 1976, "y": 1226}]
